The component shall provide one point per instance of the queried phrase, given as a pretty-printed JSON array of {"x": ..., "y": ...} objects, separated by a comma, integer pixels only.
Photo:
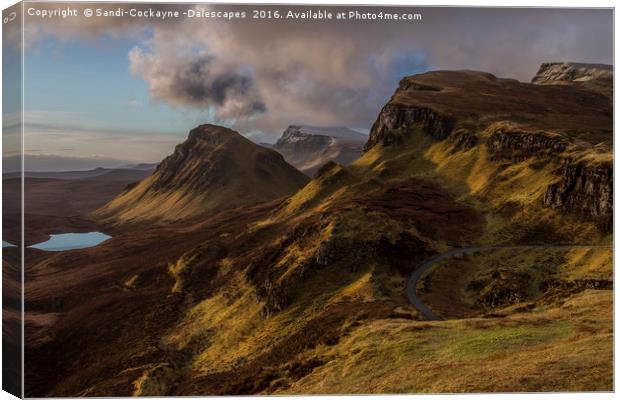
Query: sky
[{"x": 127, "y": 90}]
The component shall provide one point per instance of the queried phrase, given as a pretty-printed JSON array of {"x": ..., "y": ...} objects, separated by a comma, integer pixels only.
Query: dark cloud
[{"x": 198, "y": 81}]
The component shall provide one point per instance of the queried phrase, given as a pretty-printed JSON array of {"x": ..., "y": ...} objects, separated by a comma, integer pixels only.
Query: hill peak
[
  {"x": 214, "y": 134},
  {"x": 214, "y": 169},
  {"x": 309, "y": 147}
]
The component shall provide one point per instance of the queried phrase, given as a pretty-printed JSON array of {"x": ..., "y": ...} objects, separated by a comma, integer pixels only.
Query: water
[
  {"x": 7, "y": 244},
  {"x": 71, "y": 241}
]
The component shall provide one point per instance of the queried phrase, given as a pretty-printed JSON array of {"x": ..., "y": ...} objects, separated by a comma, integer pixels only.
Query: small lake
[
  {"x": 71, "y": 241},
  {"x": 7, "y": 244}
]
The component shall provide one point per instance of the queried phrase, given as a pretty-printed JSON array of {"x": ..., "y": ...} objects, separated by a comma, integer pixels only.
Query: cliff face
[
  {"x": 439, "y": 102},
  {"x": 515, "y": 144},
  {"x": 595, "y": 77},
  {"x": 395, "y": 122},
  {"x": 558, "y": 72},
  {"x": 585, "y": 190},
  {"x": 550, "y": 126},
  {"x": 295, "y": 140}
]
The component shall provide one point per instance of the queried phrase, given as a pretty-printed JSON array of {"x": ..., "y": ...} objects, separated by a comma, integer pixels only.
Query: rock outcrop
[
  {"x": 501, "y": 288},
  {"x": 585, "y": 190},
  {"x": 395, "y": 122},
  {"x": 563, "y": 72},
  {"x": 552, "y": 124},
  {"x": 515, "y": 144}
]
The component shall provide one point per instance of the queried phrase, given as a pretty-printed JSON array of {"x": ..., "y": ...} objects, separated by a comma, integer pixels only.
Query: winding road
[{"x": 427, "y": 264}]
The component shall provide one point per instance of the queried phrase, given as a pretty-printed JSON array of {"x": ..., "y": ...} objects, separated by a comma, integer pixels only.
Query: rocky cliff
[
  {"x": 539, "y": 125},
  {"x": 511, "y": 143},
  {"x": 308, "y": 148},
  {"x": 584, "y": 189},
  {"x": 595, "y": 77},
  {"x": 439, "y": 102},
  {"x": 562, "y": 72},
  {"x": 396, "y": 121}
]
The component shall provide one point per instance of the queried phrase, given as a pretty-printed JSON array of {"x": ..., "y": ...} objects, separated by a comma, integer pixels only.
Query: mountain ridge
[{"x": 213, "y": 169}]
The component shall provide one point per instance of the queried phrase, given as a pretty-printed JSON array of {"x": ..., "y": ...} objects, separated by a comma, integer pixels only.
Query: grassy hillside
[
  {"x": 214, "y": 169},
  {"x": 307, "y": 294},
  {"x": 322, "y": 309}
]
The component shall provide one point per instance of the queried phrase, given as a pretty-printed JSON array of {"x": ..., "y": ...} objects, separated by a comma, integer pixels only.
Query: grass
[
  {"x": 132, "y": 282},
  {"x": 452, "y": 277},
  {"x": 228, "y": 328},
  {"x": 544, "y": 351},
  {"x": 587, "y": 263},
  {"x": 480, "y": 344},
  {"x": 488, "y": 185},
  {"x": 555, "y": 347}
]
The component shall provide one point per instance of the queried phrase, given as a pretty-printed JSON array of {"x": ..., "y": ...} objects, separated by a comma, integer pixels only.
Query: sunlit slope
[
  {"x": 214, "y": 169},
  {"x": 308, "y": 295},
  {"x": 535, "y": 159},
  {"x": 565, "y": 348}
]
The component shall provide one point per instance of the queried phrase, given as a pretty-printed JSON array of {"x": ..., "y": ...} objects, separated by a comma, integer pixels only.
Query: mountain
[
  {"x": 309, "y": 147},
  {"x": 214, "y": 169},
  {"x": 488, "y": 199},
  {"x": 556, "y": 139},
  {"x": 455, "y": 159}
]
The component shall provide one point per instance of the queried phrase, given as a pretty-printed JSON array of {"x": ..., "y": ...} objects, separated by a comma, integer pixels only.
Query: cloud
[
  {"x": 260, "y": 76},
  {"x": 197, "y": 81},
  {"x": 263, "y": 78},
  {"x": 341, "y": 73}
]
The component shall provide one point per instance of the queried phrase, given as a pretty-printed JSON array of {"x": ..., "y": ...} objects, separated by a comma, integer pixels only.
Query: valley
[{"x": 228, "y": 271}]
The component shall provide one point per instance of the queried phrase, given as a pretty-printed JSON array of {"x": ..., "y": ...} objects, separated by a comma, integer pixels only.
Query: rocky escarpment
[
  {"x": 585, "y": 190},
  {"x": 395, "y": 123},
  {"x": 595, "y": 77},
  {"x": 441, "y": 102},
  {"x": 515, "y": 144},
  {"x": 563, "y": 72},
  {"x": 295, "y": 140},
  {"x": 547, "y": 125}
]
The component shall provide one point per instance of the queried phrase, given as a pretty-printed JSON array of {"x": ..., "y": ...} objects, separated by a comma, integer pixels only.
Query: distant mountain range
[
  {"x": 309, "y": 147},
  {"x": 55, "y": 163},
  {"x": 119, "y": 174}
]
